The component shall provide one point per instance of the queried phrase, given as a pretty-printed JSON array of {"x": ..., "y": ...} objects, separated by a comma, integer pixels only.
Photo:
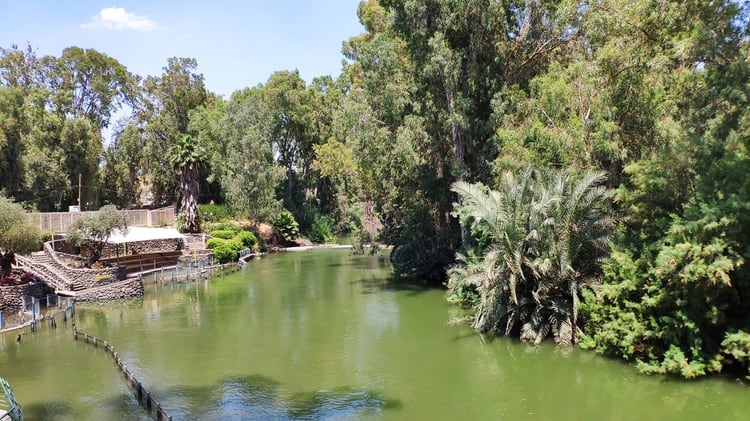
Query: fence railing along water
[
  {"x": 9, "y": 408},
  {"x": 36, "y": 312},
  {"x": 144, "y": 396}
]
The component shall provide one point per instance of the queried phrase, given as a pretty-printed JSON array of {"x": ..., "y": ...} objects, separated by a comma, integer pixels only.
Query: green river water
[{"x": 319, "y": 334}]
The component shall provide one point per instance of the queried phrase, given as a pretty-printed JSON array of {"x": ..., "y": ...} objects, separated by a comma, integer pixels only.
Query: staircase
[{"x": 41, "y": 265}]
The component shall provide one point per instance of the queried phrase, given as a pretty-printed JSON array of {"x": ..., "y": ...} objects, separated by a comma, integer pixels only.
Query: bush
[
  {"x": 286, "y": 227},
  {"x": 214, "y": 213},
  {"x": 224, "y": 250},
  {"x": 224, "y": 226},
  {"x": 321, "y": 230},
  {"x": 223, "y": 234},
  {"x": 247, "y": 238}
]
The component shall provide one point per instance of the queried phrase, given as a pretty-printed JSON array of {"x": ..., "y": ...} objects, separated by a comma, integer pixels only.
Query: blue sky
[{"x": 237, "y": 43}]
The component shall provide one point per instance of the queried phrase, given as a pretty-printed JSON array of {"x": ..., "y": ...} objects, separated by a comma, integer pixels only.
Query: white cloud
[{"x": 118, "y": 18}]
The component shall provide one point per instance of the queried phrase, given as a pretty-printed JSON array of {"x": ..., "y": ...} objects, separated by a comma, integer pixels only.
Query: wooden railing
[{"x": 140, "y": 392}]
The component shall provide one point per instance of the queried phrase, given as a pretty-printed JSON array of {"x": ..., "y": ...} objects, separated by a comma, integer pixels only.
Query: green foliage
[
  {"x": 224, "y": 234},
  {"x": 214, "y": 213},
  {"x": 321, "y": 230},
  {"x": 247, "y": 238},
  {"x": 669, "y": 309},
  {"x": 224, "y": 250},
  {"x": 364, "y": 240},
  {"x": 17, "y": 234},
  {"x": 737, "y": 345},
  {"x": 94, "y": 230},
  {"x": 542, "y": 236},
  {"x": 285, "y": 226},
  {"x": 249, "y": 175},
  {"x": 212, "y": 243},
  {"x": 224, "y": 226}
]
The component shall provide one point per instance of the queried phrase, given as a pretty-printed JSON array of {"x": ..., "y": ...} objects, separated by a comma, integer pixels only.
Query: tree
[
  {"x": 541, "y": 237},
  {"x": 185, "y": 155},
  {"x": 286, "y": 97},
  {"x": 95, "y": 230},
  {"x": 122, "y": 173},
  {"x": 17, "y": 234},
  {"x": 13, "y": 128},
  {"x": 85, "y": 83},
  {"x": 250, "y": 174},
  {"x": 168, "y": 101}
]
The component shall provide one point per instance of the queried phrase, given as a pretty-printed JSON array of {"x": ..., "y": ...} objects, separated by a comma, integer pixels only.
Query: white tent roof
[{"x": 143, "y": 234}]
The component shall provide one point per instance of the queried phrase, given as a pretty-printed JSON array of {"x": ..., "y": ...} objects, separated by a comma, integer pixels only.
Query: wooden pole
[{"x": 79, "y": 192}]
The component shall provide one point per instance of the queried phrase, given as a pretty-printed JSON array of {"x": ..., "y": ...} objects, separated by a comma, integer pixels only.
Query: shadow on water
[
  {"x": 362, "y": 262},
  {"x": 261, "y": 398},
  {"x": 47, "y": 410},
  {"x": 377, "y": 285},
  {"x": 123, "y": 406}
]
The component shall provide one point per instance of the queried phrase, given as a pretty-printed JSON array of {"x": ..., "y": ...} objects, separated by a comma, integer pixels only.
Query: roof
[{"x": 134, "y": 234}]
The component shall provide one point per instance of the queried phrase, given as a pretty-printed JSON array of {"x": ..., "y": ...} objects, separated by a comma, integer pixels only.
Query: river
[{"x": 319, "y": 334}]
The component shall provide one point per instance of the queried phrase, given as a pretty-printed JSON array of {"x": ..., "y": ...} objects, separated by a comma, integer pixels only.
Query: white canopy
[{"x": 143, "y": 234}]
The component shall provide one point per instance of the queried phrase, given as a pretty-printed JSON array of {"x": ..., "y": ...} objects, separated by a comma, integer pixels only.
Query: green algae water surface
[{"x": 321, "y": 335}]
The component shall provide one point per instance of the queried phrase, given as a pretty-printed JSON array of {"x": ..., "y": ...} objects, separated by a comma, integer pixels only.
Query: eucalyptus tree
[
  {"x": 13, "y": 130},
  {"x": 250, "y": 174},
  {"x": 165, "y": 112},
  {"x": 85, "y": 83},
  {"x": 122, "y": 174},
  {"x": 434, "y": 67},
  {"x": 285, "y": 94},
  {"x": 673, "y": 295}
]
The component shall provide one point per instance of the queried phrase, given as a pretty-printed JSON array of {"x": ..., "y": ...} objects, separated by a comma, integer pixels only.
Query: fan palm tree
[
  {"x": 185, "y": 155},
  {"x": 544, "y": 236}
]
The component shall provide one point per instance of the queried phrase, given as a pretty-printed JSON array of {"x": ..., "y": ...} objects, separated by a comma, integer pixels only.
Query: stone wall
[
  {"x": 112, "y": 250},
  {"x": 131, "y": 287},
  {"x": 11, "y": 297},
  {"x": 145, "y": 247}
]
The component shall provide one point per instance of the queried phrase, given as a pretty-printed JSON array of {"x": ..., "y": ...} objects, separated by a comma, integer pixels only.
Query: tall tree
[
  {"x": 285, "y": 94},
  {"x": 250, "y": 174},
  {"x": 166, "y": 115},
  {"x": 88, "y": 84}
]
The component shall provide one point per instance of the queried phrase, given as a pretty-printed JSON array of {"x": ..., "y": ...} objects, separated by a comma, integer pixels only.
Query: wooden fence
[
  {"x": 143, "y": 396},
  {"x": 58, "y": 222}
]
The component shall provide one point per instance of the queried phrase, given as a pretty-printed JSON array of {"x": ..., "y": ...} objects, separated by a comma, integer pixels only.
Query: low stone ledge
[{"x": 129, "y": 288}]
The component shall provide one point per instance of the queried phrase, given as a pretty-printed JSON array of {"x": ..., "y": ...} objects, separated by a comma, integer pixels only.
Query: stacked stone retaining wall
[
  {"x": 112, "y": 250},
  {"x": 129, "y": 288},
  {"x": 11, "y": 297},
  {"x": 85, "y": 277}
]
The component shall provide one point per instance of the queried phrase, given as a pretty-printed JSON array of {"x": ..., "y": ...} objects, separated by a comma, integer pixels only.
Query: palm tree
[
  {"x": 545, "y": 236},
  {"x": 185, "y": 155}
]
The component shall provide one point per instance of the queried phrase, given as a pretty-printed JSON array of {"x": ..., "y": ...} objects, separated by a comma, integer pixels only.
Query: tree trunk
[
  {"x": 6, "y": 262},
  {"x": 189, "y": 188}
]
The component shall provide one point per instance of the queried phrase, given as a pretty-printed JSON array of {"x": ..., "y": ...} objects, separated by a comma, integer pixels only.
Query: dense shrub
[
  {"x": 224, "y": 250},
  {"x": 247, "y": 239},
  {"x": 224, "y": 234},
  {"x": 211, "y": 243},
  {"x": 321, "y": 230}
]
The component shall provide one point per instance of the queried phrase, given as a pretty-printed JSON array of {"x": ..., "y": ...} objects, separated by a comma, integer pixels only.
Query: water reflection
[{"x": 257, "y": 397}]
